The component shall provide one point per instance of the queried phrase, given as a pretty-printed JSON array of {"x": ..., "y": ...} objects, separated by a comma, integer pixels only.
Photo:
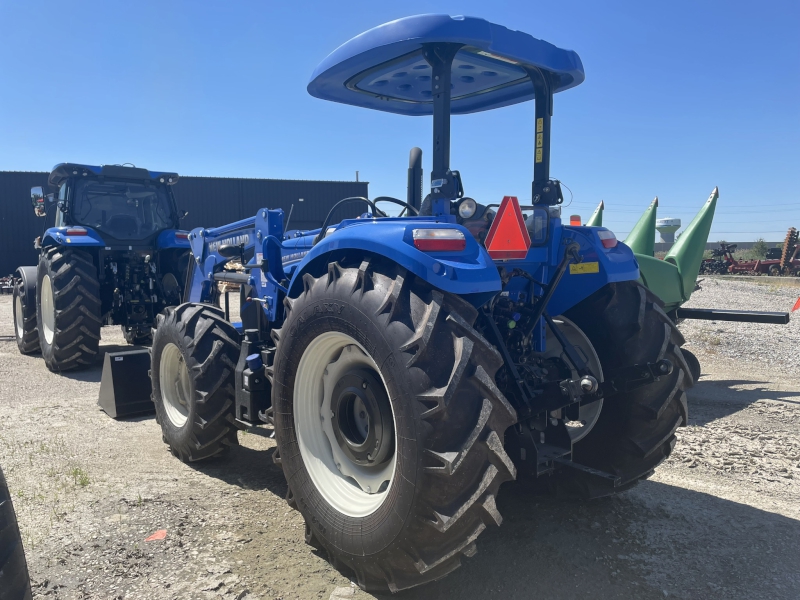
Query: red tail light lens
[
  {"x": 575, "y": 220},
  {"x": 439, "y": 240},
  {"x": 77, "y": 231},
  {"x": 607, "y": 238},
  {"x": 182, "y": 236}
]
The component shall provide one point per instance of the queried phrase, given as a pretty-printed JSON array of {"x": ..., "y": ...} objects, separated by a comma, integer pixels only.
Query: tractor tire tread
[
  {"x": 202, "y": 333},
  {"x": 637, "y": 429},
  {"x": 458, "y": 481},
  {"x": 14, "y": 580},
  {"x": 76, "y": 298},
  {"x": 28, "y": 343}
]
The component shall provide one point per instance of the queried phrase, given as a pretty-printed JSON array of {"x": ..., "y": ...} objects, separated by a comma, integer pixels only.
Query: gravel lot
[{"x": 720, "y": 519}]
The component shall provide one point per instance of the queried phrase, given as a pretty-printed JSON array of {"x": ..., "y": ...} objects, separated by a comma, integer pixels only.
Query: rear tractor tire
[
  {"x": 192, "y": 368},
  {"x": 25, "y": 329},
  {"x": 14, "y": 581},
  {"x": 635, "y": 431},
  {"x": 68, "y": 309},
  {"x": 694, "y": 364},
  {"x": 388, "y": 422}
]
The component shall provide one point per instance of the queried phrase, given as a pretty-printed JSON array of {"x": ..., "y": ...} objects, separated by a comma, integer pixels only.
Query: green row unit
[{"x": 672, "y": 279}]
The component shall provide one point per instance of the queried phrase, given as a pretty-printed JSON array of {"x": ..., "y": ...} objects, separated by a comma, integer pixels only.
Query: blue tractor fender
[
  {"x": 72, "y": 236},
  {"x": 600, "y": 266},
  {"x": 469, "y": 273},
  {"x": 172, "y": 238}
]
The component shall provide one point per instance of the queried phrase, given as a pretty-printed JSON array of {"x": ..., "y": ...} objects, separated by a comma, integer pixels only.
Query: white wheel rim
[
  {"x": 18, "y": 317},
  {"x": 175, "y": 385},
  {"x": 342, "y": 482},
  {"x": 48, "y": 310},
  {"x": 589, "y": 413}
]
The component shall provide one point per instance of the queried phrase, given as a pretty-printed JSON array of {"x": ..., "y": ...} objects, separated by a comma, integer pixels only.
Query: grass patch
[{"x": 79, "y": 476}]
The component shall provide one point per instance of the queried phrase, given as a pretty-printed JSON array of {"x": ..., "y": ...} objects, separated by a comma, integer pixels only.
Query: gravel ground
[
  {"x": 774, "y": 347},
  {"x": 720, "y": 519}
]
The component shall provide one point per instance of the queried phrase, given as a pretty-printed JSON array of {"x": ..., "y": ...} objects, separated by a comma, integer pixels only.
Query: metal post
[
  {"x": 440, "y": 58},
  {"x": 414, "y": 191},
  {"x": 544, "y": 111}
]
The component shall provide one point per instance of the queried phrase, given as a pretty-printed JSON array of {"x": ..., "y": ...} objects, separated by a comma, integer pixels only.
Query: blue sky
[{"x": 679, "y": 97}]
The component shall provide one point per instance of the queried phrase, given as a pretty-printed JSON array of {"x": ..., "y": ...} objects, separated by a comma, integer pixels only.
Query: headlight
[{"x": 467, "y": 208}]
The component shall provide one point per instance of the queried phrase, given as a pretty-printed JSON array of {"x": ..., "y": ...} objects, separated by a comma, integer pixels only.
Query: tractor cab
[
  {"x": 118, "y": 202},
  {"x": 440, "y": 65}
]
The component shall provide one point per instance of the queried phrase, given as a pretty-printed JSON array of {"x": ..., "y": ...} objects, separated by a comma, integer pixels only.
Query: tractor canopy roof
[
  {"x": 61, "y": 172},
  {"x": 384, "y": 68}
]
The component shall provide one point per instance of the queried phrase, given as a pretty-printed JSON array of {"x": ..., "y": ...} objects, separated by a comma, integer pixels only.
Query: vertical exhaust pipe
[
  {"x": 414, "y": 194},
  {"x": 642, "y": 238}
]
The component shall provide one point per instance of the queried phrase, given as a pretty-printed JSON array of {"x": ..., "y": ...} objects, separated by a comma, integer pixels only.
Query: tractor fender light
[
  {"x": 439, "y": 240},
  {"x": 607, "y": 238},
  {"x": 182, "y": 236},
  {"x": 77, "y": 231},
  {"x": 575, "y": 220}
]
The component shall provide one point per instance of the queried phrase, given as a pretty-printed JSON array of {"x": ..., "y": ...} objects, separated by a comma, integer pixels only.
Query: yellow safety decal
[
  {"x": 583, "y": 268},
  {"x": 539, "y": 140},
  {"x": 538, "y": 155},
  {"x": 539, "y": 125}
]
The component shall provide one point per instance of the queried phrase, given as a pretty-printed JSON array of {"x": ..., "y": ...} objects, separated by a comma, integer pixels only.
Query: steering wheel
[{"x": 398, "y": 202}]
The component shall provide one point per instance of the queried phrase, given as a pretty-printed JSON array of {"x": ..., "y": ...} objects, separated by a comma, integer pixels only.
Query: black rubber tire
[
  {"x": 694, "y": 364},
  {"x": 451, "y": 458},
  {"x": 28, "y": 342},
  {"x": 14, "y": 581},
  {"x": 76, "y": 294},
  {"x": 775, "y": 271},
  {"x": 134, "y": 339},
  {"x": 627, "y": 325},
  {"x": 210, "y": 347}
]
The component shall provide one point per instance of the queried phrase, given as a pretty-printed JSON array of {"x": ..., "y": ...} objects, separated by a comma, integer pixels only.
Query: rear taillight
[
  {"x": 575, "y": 220},
  {"x": 182, "y": 236},
  {"x": 608, "y": 239},
  {"x": 77, "y": 231},
  {"x": 439, "y": 240}
]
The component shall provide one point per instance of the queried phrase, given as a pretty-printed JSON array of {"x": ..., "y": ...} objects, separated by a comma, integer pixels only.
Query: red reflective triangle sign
[{"x": 508, "y": 237}]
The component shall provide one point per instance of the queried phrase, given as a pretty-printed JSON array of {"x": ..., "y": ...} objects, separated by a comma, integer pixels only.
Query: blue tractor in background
[
  {"x": 410, "y": 365},
  {"x": 115, "y": 255}
]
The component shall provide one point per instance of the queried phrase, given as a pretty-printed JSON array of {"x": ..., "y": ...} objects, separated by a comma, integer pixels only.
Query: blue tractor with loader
[
  {"x": 114, "y": 255},
  {"x": 410, "y": 365}
]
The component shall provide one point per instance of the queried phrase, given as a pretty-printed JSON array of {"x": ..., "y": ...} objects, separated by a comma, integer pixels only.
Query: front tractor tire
[
  {"x": 193, "y": 360},
  {"x": 68, "y": 309},
  {"x": 25, "y": 327},
  {"x": 635, "y": 431},
  {"x": 388, "y": 422}
]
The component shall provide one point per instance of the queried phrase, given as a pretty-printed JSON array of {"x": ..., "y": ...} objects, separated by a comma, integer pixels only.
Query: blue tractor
[
  {"x": 115, "y": 255},
  {"x": 410, "y": 365}
]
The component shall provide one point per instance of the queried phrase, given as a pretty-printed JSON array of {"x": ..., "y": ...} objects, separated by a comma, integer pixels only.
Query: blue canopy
[{"x": 384, "y": 69}]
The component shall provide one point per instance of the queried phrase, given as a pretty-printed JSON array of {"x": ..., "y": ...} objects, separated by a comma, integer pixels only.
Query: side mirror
[{"x": 38, "y": 201}]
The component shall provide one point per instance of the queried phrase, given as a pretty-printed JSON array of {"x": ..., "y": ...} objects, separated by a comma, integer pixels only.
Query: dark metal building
[{"x": 211, "y": 201}]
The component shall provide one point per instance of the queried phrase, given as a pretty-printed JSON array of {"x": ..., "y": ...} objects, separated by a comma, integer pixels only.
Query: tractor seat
[{"x": 122, "y": 226}]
